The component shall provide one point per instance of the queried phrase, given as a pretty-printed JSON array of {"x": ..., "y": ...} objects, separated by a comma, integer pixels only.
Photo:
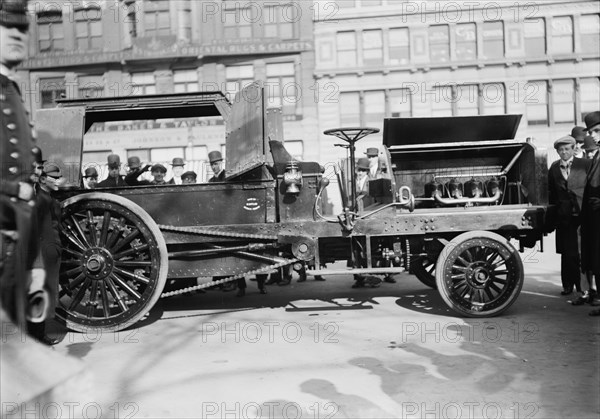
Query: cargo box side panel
[
  {"x": 205, "y": 204},
  {"x": 60, "y": 137}
]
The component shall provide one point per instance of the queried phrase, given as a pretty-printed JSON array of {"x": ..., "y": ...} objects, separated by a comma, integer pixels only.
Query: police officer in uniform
[{"x": 17, "y": 163}]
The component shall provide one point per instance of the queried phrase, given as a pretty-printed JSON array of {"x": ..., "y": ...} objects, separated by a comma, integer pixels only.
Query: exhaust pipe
[{"x": 480, "y": 200}]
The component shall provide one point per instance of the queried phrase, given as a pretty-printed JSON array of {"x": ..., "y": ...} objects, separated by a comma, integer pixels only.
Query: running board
[{"x": 381, "y": 271}]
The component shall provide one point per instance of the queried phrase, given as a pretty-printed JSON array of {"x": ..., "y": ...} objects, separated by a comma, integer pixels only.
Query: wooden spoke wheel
[
  {"x": 479, "y": 274},
  {"x": 423, "y": 267},
  {"x": 114, "y": 264}
]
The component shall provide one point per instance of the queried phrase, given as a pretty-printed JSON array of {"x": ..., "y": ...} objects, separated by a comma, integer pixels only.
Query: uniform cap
[
  {"x": 13, "y": 13},
  {"x": 134, "y": 162},
  {"x": 589, "y": 144},
  {"x": 189, "y": 174},
  {"x": 158, "y": 168},
  {"x": 90, "y": 172},
  {"x": 578, "y": 133},
  {"x": 113, "y": 160},
  {"x": 567, "y": 139},
  {"x": 178, "y": 161},
  {"x": 372, "y": 152},
  {"x": 52, "y": 170},
  {"x": 363, "y": 164},
  {"x": 214, "y": 156},
  {"x": 592, "y": 119}
]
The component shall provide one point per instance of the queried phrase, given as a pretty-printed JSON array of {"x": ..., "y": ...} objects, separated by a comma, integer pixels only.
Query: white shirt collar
[{"x": 7, "y": 72}]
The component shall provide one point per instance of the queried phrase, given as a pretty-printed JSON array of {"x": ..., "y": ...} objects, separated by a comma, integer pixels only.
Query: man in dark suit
[
  {"x": 590, "y": 219},
  {"x": 135, "y": 170},
  {"x": 566, "y": 182},
  {"x": 114, "y": 173},
  {"x": 216, "y": 164},
  {"x": 18, "y": 238}
]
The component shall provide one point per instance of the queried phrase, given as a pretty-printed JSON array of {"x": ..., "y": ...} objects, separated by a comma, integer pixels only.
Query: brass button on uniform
[
  {"x": 14, "y": 155},
  {"x": 7, "y": 111},
  {"x": 2, "y": 97},
  {"x": 13, "y": 170},
  {"x": 13, "y": 141},
  {"x": 11, "y": 126}
]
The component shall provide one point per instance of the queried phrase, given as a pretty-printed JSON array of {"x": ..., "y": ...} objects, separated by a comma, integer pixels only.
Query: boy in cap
[
  {"x": 177, "y": 165},
  {"x": 566, "y": 181},
  {"x": 590, "y": 217},
  {"x": 188, "y": 178},
  {"x": 17, "y": 201},
  {"x": 216, "y": 164},
  {"x": 114, "y": 173},
  {"x": 49, "y": 217},
  {"x": 134, "y": 171},
  {"x": 158, "y": 172},
  {"x": 90, "y": 178}
]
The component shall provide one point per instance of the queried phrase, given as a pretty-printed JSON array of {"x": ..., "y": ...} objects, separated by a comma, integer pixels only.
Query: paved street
[{"x": 324, "y": 350}]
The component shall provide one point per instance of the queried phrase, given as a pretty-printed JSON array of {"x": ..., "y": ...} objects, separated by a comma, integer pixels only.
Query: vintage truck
[{"x": 460, "y": 191}]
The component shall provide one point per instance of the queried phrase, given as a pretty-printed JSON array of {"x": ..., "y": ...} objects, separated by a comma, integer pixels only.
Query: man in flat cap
[
  {"x": 590, "y": 225},
  {"x": 566, "y": 181},
  {"x": 188, "y": 177},
  {"x": 135, "y": 170},
  {"x": 18, "y": 237},
  {"x": 177, "y": 166},
  {"x": 114, "y": 179},
  {"x": 158, "y": 172},
  {"x": 90, "y": 178},
  {"x": 216, "y": 164}
]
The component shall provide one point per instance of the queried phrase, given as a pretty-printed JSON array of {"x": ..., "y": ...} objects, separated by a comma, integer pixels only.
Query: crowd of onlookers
[{"x": 574, "y": 195}]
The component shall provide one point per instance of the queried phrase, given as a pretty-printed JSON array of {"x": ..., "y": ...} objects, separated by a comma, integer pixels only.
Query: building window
[
  {"x": 143, "y": 83},
  {"x": 350, "y": 109},
  {"x": 399, "y": 46},
  {"x": 442, "y": 101},
  {"x": 563, "y": 101},
  {"x": 346, "y": 49},
  {"x": 130, "y": 17},
  {"x": 238, "y": 21},
  {"x": 51, "y": 89},
  {"x": 277, "y": 23},
  {"x": 400, "y": 103},
  {"x": 295, "y": 148},
  {"x": 50, "y": 31},
  {"x": 466, "y": 41},
  {"x": 589, "y": 28},
  {"x": 90, "y": 86},
  {"x": 589, "y": 89},
  {"x": 439, "y": 43},
  {"x": 282, "y": 89},
  {"x": 493, "y": 99},
  {"x": 536, "y": 100},
  {"x": 374, "y": 108},
  {"x": 346, "y": 4},
  {"x": 535, "y": 37},
  {"x": 237, "y": 77},
  {"x": 372, "y": 45},
  {"x": 493, "y": 40},
  {"x": 88, "y": 29},
  {"x": 466, "y": 98},
  {"x": 562, "y": 35},
  {"x": 156, "y": 18},
  {"x": 185, "y": 81}
]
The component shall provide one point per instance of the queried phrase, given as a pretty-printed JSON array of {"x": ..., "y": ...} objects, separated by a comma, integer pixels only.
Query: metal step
[{"x": 381, "y": 271}]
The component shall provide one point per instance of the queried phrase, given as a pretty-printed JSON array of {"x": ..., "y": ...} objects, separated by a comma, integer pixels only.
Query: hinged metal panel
[
  {"x": 245, "y": 144},
  {"x": 60, "y": 136}
]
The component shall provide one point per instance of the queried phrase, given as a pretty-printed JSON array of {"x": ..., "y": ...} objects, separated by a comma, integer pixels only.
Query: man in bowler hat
[
  {"x": 579, "y": 134},
  {"x": 114, "y": 178},
  {"x": 590, "y": 223},
  {"x": 566, "y": 181},
  {"x": 216, "y": 164},
  {"x": 177, "y": 165},
  {"x": 377, "y": 168},
  {"x": 90, "y": 178},
  {"x": 18, "y": 236},
  {"x": 135, "y": 170}
]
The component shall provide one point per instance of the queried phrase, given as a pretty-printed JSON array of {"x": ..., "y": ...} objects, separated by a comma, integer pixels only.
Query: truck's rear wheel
[
  {"x": 479, "y": 274},
  {"x": 114, "y": 264}
]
